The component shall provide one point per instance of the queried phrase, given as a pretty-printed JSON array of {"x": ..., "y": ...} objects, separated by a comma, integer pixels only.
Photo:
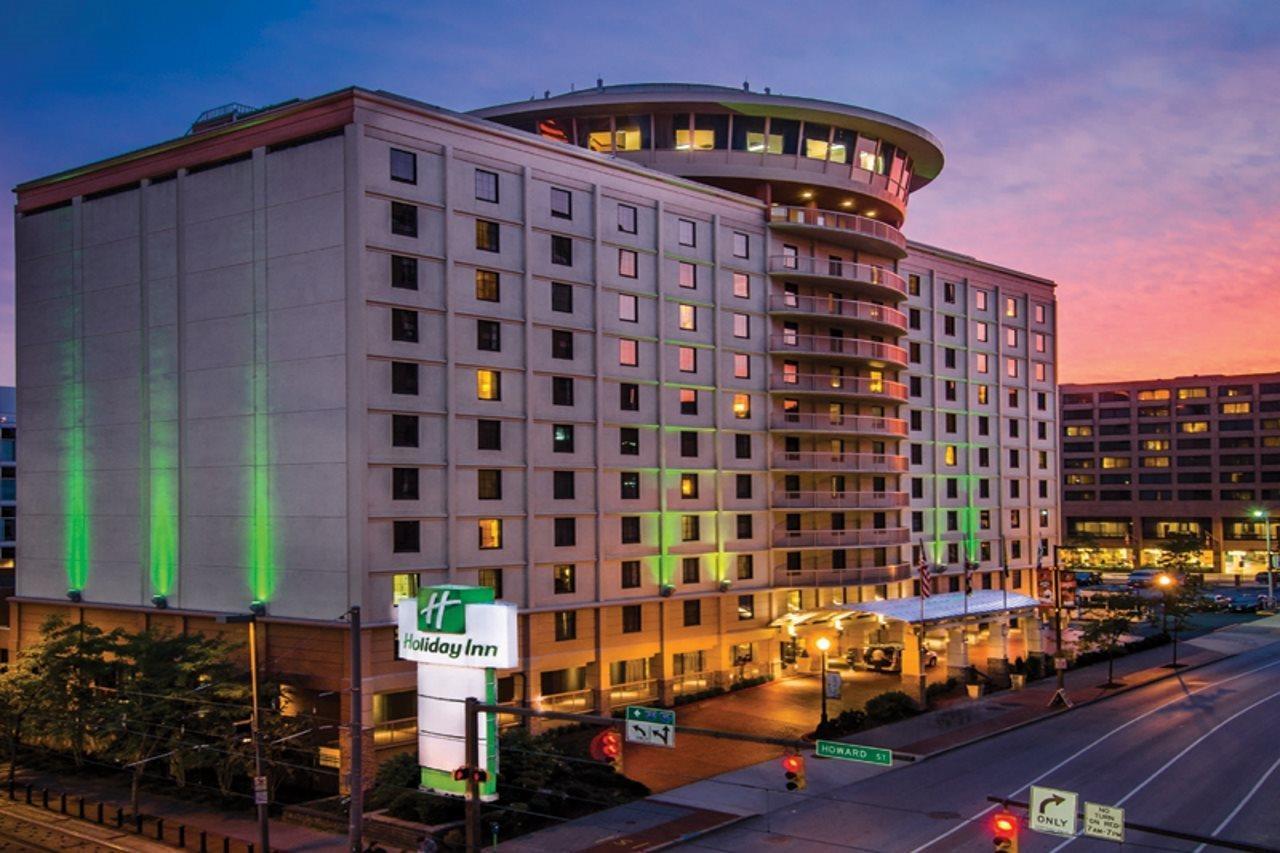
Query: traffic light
[
  {"x": 793, "y": 767},
  {"x": 462, "y": 774},
  {"x": 607, "y": 747},
  {"x": 1004, "y": 828}
]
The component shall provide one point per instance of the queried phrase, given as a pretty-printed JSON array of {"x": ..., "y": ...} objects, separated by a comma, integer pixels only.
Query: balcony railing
[
  {"x": 830, "y": 345},
  {"x": 692, "y": 682},
  {"x": 577, "y": 701},
  {"x": 862, "y": 424},
  {"x": 393, "y": 732},
  {"x": 818, "y": 460},
  {"x": 849, "y": 223},
  {"x": 857, "y": 538},
  {"x": 815, "y": 573},
  {"x": 830, "y": 306},
  {"x": 631, "y": 692},
  {"x": 827, "y": 499},
  {"x": 826, "y": 383},
  {"x": 826, "y": 268}
]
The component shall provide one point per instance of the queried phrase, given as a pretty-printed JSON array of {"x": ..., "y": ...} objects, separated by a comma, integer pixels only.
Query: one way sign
[
  {"x": 652, "y": 726},
  {"x": 1052, "y": 811}
]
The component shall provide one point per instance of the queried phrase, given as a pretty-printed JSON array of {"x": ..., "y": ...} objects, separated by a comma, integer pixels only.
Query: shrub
[
  {"x": 935, "y": 690},
  {"x": 395, "y": 776},
  {"x": 1035, "y": 667},
  {"x": 425, "y": 808},
  {"x": 890, "y": 707},
  {"x": 844, "y": 723},
  {"x": 750, "y": 682}
]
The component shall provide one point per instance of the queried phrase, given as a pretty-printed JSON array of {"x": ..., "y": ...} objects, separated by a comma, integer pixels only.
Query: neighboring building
[
  {"x": 982, "y": 343},
  {"x": 650, "y": 384},
  {"x": 1192, "y": 454},
  {"x": 8, "y": 489}
]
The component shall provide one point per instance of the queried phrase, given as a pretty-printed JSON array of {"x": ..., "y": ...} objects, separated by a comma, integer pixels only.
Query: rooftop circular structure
[{"x": 787, "y": 150}]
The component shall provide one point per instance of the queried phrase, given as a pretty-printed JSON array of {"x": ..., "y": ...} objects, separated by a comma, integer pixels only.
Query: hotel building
[
  {"x": 8, "y": 491},
  {"x": 652, "y": 361},
  {"x": 1192, "y": 454}
]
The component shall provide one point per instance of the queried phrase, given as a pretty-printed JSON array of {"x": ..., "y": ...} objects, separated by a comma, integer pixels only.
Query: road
[{"x": 1199, "y": 753}]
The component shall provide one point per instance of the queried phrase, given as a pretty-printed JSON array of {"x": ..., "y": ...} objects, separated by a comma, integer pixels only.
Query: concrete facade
[
  {"x": 361, "y": 344},
  {"x": 1190, "y": 454}
]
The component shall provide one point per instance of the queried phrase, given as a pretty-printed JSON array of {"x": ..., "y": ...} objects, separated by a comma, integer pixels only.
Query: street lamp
[
  {"x": 1265, "y": 517},
  {"x": 1167, "y": 582},
  {"x": 259, "y": 779},
  {"x": 823, "y": 645}
]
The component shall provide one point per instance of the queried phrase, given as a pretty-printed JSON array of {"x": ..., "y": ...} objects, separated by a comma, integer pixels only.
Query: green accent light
[
  {"x": 75, "y": 479},
  {"x": 163, "y": 515},
  {"x": 262, "y": 568}
]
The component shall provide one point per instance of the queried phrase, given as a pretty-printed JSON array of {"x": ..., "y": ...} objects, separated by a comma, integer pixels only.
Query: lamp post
[
  {"x": 823, "y": 645},
  {"x": 1265, "y": 516},
  {"x": 259, "y": 780},
  {"x": 1167, "y": 582}
]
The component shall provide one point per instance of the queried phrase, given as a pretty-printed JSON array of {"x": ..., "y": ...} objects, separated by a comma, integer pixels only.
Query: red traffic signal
[
  {"x": 793, "y": 769},
  {"x": 1004, "y": 827},
  {"x": 463, "y": 774},
  {"x": 607, "y": 746}
]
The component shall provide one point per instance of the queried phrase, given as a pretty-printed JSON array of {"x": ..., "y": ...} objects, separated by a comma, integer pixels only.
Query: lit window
[
  {"x": 1115, "y": 462},
  {"x": 742, "y": 406},
  {"x": 1040, "y": 342},
  {"x": 687, "y": 275},
  {"x": 487, "y": 286},
  {"x": 980, "y": 332},
  {"x": 1011, "y": 337},
  {"x": 1011, "y": 367},
  {"x": 565, "y": 578},
  {"x": 1192, "y": 393},
  {"x": 1194, "y": 426},
  {"x": 741, "y": 366},
  {"x": 488, "y": 385},
  {"x": 688, "y": 485},
  {"x": 1155, "y": 444},
  {"x": 1041, "y": 371},
  {"x": 741, "y": 285},
  {"x": 486, "y": 235},
  {"x": 628, "y": 352},
  {"x": 1242, "y": 407},
  {"x": 1153, "y": 462},
  {"x": 949, "y": 455},
  {"x": 983, "y": 392},
  {"x": 980, "y": 302},
  {"x": 688, "y": 318},
  {"x": 981, "y": 362},
  {"x": 490, "y": 533},
  {"x": 688, "y": 360},
  {"x": 1010, "y": 307}
]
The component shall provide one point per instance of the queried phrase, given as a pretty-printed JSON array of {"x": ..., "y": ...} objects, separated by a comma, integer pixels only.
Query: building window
[
  {"x": 1010, "y": 337},
  {"x": 561, "y": 297},
  {"x": 1011, "y": 368},
  {"x": 948, "y": 292},
  {"x": 628, "y": 307},
  {"x": 1040, "y": 313},
  {"x": 566, "y": 578},
  {"x": 1041, "y": 371},
  {"x": 688, "y": 401},
  {"x": 487, "y": 289},
  {"x": 561, "y": 203},
  {"x": 492, "y": 578},
  {"x": 1039, "y": 342},
  {"x": 629, "y": 485},
  {"x": 913, "y": 285},
  {"x": 686, "y": 232},
  {"x": 687, "y": 275},
  {"x": 488, "y": 435},
  {"x": 742, "y": 446},
  {"x": 486, "y": 235},
  {"x": 488, "y": 385},
  {"x": 562, "y": 485},
  {"x": 629, "y": 397},
  {"x": 628, "y": 352},
  {"x": 981, "y": 363},
  {"x": 489, "y": 484},
  {"x": 627, "y": 263},
  {"x": 692, "y": 613},
  {"x": 688, "y": 317},
  {"x": 949, "y": 325},
  {"x": 404, "y": 377},
  {"x": 691, "y": 570},
  {"x": 404, "y": 325},
  {"x": 743, "y": 486},
  {"x": 561, "y": 250},
  {"x": 746, "y": 567},
  {"x": 741, "y": 326},
  {"x": 744, "y": 525},
  {"x": 630, "y": 530},
  {"x": 486, "y": 186},
  {"x": 404, "y": 272},
  {"x": 404, "y": 166},
  {"x": 688, "y": 443},
  {"x": 1010, "y": 307},
  {"x": 490, "y": 530},
  {"x": 741, "y": 285},
  {"x": 561, "y": 344},
  {"x": 404, "y": 484},
  {"x": 741, "y": 366},
  {"x": 626, "y": 219},
  {"x": 404, "y": 219},
  {"x": 629, "y": 441},
  {"x": 404, "y": 430},
  {"x": 741, "y": 245},
  {"x": 631, "y": 618},
  {"x": 565, "y": 532},
  {"x": 562, "y": 390},
  {"x": 688, "y": 359},
  {"x": 630, "y": 571},
  {"x": 562, "y": 438},
  {"x": 980, "y": 332},
  {"x": 742, "y": 406},
  {"x": 688, "y": 485},
  {"x": 405, "y": 537},
  {"x": 980, "y": 300},
  {"x": 690, "y": 528},
  {"x": 566, "y": 625}
]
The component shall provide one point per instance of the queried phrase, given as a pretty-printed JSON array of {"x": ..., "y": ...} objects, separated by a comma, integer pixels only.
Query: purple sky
[{"x": 1130, "y": 151}]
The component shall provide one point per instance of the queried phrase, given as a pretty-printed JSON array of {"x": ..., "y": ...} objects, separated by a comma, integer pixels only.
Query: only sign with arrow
[{"x": 1052, "y": 811}]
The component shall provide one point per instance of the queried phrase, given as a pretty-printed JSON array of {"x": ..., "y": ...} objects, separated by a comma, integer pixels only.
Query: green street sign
[
  {"x": 853, "y": 752},
  {"x": 441, "y": 608}
]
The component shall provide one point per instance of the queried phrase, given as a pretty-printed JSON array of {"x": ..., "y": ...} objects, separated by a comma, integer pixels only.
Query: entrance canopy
[{"x": 947, "y": 607}]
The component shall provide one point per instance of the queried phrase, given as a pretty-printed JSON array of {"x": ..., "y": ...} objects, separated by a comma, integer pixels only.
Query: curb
[
  {"x": 1051, "y": 714},
  {"x": 699, "y": 833}
]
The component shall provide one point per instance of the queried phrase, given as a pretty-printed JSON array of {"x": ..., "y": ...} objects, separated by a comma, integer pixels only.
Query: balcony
[
  {"x": 870, "y": 537},
  {"x": 831, "y": 307},
  {"x": 633, "y": 692},
  {"x": 866, "y": 279},
  {"x": 819, "y": 460},
  {"x": 824, "y": 423},
  {"x": 842, "y": 229},
  {"x": 820, "y": 573},
  {"x": 830, "y": 346},
  {"x": 837, "y": 385},
  {"x": 827, "y": 499}
]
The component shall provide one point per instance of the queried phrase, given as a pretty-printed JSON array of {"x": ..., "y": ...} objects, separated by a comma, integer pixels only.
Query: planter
[
  {"x": 975, "y": 690},
  {"x": 1018, "y": 680}
]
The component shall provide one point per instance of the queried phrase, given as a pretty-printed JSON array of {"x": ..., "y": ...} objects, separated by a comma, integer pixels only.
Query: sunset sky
[{"x": 1129, "y": 151}]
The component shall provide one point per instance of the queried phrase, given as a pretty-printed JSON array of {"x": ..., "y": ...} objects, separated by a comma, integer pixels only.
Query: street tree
[
  {"x": 20, "y": 703},
  {"x": 67, "y": 667},
  {"x": 1104, "y": 635},
  {"x": 1180, "y": 553}
]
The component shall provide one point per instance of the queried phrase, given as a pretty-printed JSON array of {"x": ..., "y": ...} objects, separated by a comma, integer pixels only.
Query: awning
[{"x": 946, "y": 607}]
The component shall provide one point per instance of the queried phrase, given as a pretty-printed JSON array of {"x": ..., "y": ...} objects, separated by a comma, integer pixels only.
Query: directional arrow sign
[
  {"x": 652, "y": 726},
  {"x": 1052, "y": 811}
]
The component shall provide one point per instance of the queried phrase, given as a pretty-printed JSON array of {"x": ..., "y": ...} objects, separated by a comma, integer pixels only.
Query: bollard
[
  {"x": 226, "y": 844},
  {"x": 99, "y": 814},
  {"x": 119, "y": 818},
  {"x": 204, "y": 842},
  {"x": 62, "y": 802},
  {"x": 182, "y": 835},
  {"x": 137, "y": 823},
  {"x": 13, "y": 789},
  {"x": 81, "y": 808},
  {"x": 44, "y": 798},
  {"x": 28, "y": 795},
  {"x": 159, "y": 829}
]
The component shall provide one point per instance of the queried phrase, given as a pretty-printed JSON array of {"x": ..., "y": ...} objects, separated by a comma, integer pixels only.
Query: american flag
[{"x": 926, "y": 578}]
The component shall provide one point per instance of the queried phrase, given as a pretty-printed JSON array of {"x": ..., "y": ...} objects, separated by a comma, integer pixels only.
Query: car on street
[
  {"x": 1087, "y": 578},
  {"x": 1142, "y": 578},
  {"x": 1261, "y": 578}
]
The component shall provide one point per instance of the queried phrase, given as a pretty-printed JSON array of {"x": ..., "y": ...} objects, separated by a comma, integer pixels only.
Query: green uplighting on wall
[
  {"x": 163, "y": 515},
  {"x": 75, "y": 478},
  {"x": 262, "y": 568}
]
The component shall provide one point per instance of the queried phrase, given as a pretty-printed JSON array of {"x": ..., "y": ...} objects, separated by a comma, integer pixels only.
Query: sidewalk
[
  {"x": 241, "y": 824},
  {"x": 93, "y": 835}
]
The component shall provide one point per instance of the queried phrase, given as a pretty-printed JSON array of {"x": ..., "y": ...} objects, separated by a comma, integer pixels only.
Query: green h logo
[{"x": 442, "y": 609}]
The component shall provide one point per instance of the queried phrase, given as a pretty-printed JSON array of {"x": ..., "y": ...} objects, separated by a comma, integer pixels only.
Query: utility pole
[
  {"x": 259, "y": 779},
  {"x": 355, "y": 826},
  {"x": 471, "y": 745},
  {"x": 1059, "y": 659}
]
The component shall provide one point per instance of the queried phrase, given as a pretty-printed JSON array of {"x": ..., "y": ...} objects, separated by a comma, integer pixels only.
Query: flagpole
[{"x": 1004, "y": 574}]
